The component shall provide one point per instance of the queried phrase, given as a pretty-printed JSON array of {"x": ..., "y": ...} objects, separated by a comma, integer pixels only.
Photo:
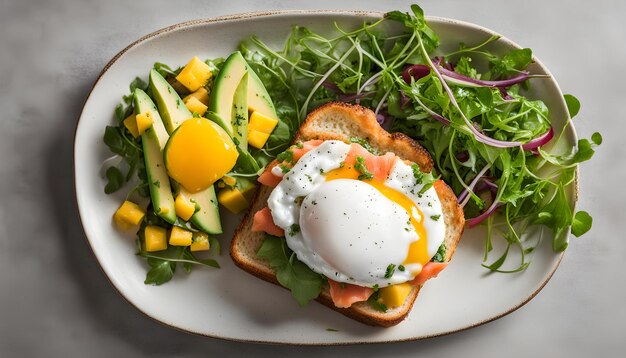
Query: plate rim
[{"x": 270, "y": 13}]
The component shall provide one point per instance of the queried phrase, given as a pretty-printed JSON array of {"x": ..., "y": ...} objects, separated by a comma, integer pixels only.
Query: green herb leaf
[
  {"x": 573, "y": 105},
  {"x": 305, "y": 285},
  {"x": 365, "y": 144},
  {"x": 360, "y": 166},
  {"x": 582, "y": 223},
  {"x": 161, "y": 271},
  {"x": 286, "y": 156},
  {"x": 115, "y": 180},
  {"x": 374, "y": 301},
  {"x": 390, "y": 270}
]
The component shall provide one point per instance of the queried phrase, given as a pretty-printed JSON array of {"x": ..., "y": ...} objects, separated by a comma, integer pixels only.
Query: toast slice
[{"x": 341, "y": 121}]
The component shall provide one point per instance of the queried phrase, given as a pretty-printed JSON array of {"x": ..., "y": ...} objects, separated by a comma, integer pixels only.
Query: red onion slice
[
  {"x": 480, "y": 218},
  {"x": 539, "y": 141},
  {"x": 462, "y": 80},
  {"x": 415, "y": 71}
]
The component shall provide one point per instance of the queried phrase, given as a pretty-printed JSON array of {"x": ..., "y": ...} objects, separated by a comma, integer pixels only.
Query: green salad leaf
[{"x": 305, "y": 285}]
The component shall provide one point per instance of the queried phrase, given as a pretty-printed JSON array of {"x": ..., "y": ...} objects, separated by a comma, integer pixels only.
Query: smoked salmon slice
[
  {"x": 263, "y": 221},
  {"x": 268, "y": 178},
  {"x": 430, "y": 270},
  {"x": 344, "y": 297},
  {"x": 306, "y": 147},
  {"x": 380, "y": 166}
]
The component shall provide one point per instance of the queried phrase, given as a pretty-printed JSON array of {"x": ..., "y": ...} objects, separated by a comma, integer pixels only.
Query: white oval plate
[{"x": 231, "y": 304}]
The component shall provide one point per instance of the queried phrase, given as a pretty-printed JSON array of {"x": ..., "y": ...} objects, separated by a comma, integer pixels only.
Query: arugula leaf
[
  {"x": 511, "y": 63},
  {"x": 573, "y": 105},
  {"x": 115, "y": 180},
  {"x": 305, "y": 285},
  {"x": 160, "y": 272}
]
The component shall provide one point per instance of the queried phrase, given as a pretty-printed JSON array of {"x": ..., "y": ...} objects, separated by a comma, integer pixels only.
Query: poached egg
[{"x": 367, "y": 232}]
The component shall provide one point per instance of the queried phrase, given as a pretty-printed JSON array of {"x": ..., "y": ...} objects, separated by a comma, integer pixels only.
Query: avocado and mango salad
[{"x": 196, "y": 139}]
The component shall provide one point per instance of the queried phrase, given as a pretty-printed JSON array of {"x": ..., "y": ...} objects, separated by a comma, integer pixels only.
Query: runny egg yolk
[
  {"x": 418, "y": 250},
  {"x": 199, "y": 153}
]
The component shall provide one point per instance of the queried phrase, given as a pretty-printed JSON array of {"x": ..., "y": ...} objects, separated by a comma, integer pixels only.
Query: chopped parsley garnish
[
  {"x": 376, "y": 302},
  {"x": 401, "y": 268},
  {"x": 294, "y": 229},
  {"x": 417, "y": 174},
  {"x": 435, "y": 217},
  {"x": 390, "y": 270},
  {"x": 360, "y": 166},
  {"x": 365, "y": 144},
  {"x": 286, "y": 156},
  {"x": 440, "y": 256}
]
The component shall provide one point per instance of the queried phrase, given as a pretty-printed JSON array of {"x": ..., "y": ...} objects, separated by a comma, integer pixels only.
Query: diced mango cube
[
  {"x": 185, "y": 208},
  {"x": 144, "y": 121},
  {"x": 201, "y": 94},
  {"x": 262, "y": 123},
  {"x": 195, "y": 74},
  {"x": 128, "y": 215},
  {"x": 195, "y": 106},
  {"x": 131, "y": 124},
  {"x": 180, "y": 236},
  {"x": 395, "y": 295},
  {"x": 230, "y": 181},
  {"x": 232, "y": 199},
  {"x": 200, "y": 242},
  {"x": 155, "y": 238},
  {"x": 257, "y": 139}
]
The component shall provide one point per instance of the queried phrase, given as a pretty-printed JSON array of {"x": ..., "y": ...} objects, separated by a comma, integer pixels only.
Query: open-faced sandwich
[{"x": 355, "y": 213}]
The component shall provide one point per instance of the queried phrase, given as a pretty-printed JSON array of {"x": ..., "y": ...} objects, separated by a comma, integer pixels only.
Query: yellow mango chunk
[
  {"x": 200, "y": 242},
  {"x": 131, "y": 124},
  {"x": 395, "y": 295},
  {"x": 144, "y": 121},
  {"x": 195, "y": 74},
  {"x": 195, "y": 106},
  {"x": 180, "y": 236},
  {"x": 257, "y": 139},
  {"x": 230, "y": 181},
  {"x": 232, "y": 199},
  {"x": 128, "y": 214},
  {"x": 201, "y": 94},
  {"x": 262, "y": 123},
  {"x": 156, "y": 238},
  {"x": 184, "y": 207}
]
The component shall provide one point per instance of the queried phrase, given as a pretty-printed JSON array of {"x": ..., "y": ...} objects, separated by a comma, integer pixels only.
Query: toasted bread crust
[{"x": 341, "y": 121}]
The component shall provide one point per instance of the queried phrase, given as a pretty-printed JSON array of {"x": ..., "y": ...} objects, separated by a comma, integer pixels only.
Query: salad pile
[{"x": 468, "y": 108}]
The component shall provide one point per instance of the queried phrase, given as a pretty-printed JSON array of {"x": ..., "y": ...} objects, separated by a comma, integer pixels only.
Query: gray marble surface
[{"x": 55, "y": 301}]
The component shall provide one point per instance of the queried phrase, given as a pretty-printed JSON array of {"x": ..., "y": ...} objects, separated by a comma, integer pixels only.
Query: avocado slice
[
  {"x": 240, "y": 113},
  {"x": 174, "y": 112},
  {"x": 258, "y": 98},
  {"x": 224, "y": 88},
  {"x": 226, "y": 85},
  {"x": 153, "y": 141},
  {"x": 171, "y": 107}
]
